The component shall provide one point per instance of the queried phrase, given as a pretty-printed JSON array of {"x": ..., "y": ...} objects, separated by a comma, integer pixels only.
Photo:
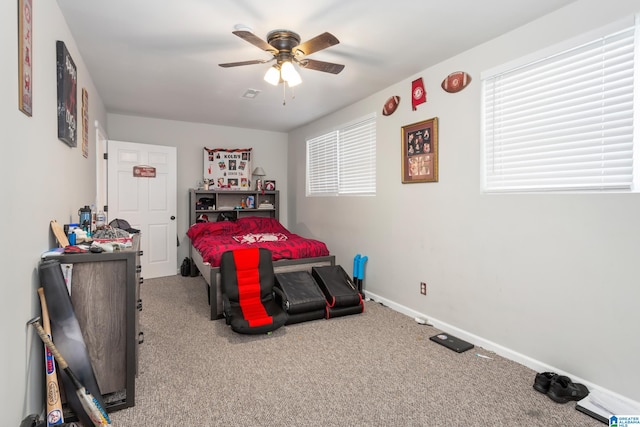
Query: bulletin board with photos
[{"x": 227, "y": 168}]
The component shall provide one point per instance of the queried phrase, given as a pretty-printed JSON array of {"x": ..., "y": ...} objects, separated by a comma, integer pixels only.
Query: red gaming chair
[{"x": 247, "y": 281}]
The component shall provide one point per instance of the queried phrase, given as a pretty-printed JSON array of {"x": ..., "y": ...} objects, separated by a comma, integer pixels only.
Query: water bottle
[
  {"x": 72, "y": 235},
  {"x": 85, "y": 218},
  {"x": 93, "y": 218},
  {"x": 101, "y": 220}
]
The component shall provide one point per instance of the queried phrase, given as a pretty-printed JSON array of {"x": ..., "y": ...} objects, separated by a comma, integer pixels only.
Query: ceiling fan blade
[
  {"x": 317, "y": 43},
  {"x": 327, "y": 67},
  {"x": 255, "y": 40},
  {"x": 237, "y": 64}
]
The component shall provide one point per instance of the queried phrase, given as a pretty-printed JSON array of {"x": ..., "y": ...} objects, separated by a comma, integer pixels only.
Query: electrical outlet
[{"x": 423, "y": 288}]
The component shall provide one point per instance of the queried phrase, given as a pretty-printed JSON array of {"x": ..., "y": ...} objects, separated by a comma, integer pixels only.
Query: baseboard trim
[{"x": 505, "y": 352}]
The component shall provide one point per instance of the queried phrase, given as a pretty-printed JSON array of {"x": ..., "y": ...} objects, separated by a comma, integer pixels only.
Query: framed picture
[
  {"x": 85, "y": 123},
  {"x": 227, "y": 168},
  {"x": 67, "y": 96},
  {"x": 420, "y": 152},
  {"x": 25, "y": 50},
  {"x": 270, "y": 185}
]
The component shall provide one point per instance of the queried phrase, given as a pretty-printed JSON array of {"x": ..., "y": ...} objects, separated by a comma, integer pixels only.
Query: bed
[{"x": 290, "y": 251}]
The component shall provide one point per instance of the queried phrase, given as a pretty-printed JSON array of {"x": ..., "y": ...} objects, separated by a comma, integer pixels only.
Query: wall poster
[
  {"x": 67, "y": 95},
  {"x": 227, "y": 168},
  {"x": 85, "y": 123},
  {"x": 25, "y": 48}
]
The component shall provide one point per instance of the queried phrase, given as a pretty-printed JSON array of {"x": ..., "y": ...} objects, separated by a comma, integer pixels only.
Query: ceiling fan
[{"x": 286, "y": 49}]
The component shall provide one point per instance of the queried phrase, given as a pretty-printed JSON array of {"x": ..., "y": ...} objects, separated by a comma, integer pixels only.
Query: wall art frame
[
  {"x": 420, "y": 152},
  {"x": 227, "y": 168},
  {"x": 85, "y": 122},
  {"x": 25, "y": 60},
  {"x": 67, "y": 77}
]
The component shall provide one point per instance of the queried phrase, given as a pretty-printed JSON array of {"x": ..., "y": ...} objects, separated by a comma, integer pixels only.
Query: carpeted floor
[{"x": 372, "y": 369}]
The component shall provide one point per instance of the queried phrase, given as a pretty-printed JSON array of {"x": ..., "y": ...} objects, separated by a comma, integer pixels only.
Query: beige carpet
[{"x": 372, "y": 369}]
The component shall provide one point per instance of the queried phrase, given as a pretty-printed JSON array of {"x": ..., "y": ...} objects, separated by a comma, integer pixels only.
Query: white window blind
[
  {"x": 343, "y": 162},
  {"x": 322, "y": 164},
  {"x": 564, "y": 122},
  {"x": 357, "y": 158}
]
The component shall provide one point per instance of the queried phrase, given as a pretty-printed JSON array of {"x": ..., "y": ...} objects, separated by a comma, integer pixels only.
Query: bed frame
[{"x": 212, "y": 274}]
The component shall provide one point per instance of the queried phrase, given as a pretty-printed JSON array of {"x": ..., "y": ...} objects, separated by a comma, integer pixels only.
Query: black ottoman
[
  {"x": 339, "y": 290},
  {"x": 300, "y": 296}
]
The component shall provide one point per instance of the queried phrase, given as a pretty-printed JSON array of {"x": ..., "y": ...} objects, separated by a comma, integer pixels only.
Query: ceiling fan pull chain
[{"x": 284, "y": 94}]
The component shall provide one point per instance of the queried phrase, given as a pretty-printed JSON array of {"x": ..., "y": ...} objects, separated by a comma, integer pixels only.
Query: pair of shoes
[
  {"x": 562, "y": 390},
  {"x": 559, "y": 388},
  {"x": 543, "y": 381}
]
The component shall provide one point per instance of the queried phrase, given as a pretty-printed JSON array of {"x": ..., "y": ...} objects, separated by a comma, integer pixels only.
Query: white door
[
  {"x": 101, "y": 167},
  {"x": 147, "y": 203}
]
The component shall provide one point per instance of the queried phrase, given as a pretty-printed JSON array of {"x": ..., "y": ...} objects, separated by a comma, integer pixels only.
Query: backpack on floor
[{"x": 185, "y": 268}]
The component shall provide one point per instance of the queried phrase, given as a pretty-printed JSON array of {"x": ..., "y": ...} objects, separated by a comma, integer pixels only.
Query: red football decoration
[
  {"x": 390, "y": 105},
  {"x": 455, "y": 82}
]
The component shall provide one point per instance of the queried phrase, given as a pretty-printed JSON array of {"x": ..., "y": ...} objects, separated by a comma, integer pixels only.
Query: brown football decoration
[
  {"x": 455, "y": 82},
  {"x": 391, "y": 105}
]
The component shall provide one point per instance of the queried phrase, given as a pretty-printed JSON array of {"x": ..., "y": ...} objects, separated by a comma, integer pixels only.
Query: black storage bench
[
  {"x": 341, "y": 294},
  {"x": 300, "y": 296}
]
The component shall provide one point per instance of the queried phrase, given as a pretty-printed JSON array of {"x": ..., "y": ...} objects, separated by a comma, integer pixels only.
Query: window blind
[
  {"x": 322, "y": 164},
  {"x": 343, "y": 162},
  {"x": 357, "y": 158},
  {"x": 564, "y": 122}
]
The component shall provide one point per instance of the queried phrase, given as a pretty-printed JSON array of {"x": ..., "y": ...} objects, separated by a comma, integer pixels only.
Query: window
[
  {"x": 564, "y": 121},
  {"x": 343, "y": 161}
]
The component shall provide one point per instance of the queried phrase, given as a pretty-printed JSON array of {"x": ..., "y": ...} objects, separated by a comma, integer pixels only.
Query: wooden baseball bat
[
  {"x": 54, "y": 404},
  {"x": 90, "y": 404}
]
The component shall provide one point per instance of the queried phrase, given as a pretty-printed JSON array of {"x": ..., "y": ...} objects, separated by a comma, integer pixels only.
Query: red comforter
[{"x": 211, "y": 239}]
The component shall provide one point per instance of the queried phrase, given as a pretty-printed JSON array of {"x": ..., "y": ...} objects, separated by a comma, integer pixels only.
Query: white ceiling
[{"x": 160, "y": 58}]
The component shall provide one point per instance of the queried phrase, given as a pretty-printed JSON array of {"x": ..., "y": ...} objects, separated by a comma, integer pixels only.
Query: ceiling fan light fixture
[
  {"x": 289, "y": 73},
  {"x": 272, "y": 76},
  {"x": 286, "y": 48},
  {"x": 294, "y": 79}
]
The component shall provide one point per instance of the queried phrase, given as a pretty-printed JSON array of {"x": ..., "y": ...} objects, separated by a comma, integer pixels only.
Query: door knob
[{"x": 173, "y": 217}]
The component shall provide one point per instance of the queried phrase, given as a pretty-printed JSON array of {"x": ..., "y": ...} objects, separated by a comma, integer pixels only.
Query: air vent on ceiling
[{"x": 251, "y": 93}]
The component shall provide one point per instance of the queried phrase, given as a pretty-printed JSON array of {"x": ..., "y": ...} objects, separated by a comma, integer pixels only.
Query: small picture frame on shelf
[{"x": 270, "y": 185}]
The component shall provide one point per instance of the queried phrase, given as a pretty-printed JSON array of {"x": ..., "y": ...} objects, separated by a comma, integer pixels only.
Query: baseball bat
[
  {"x": 90, "y": 404},
  {"x": 54, "y": 404}
]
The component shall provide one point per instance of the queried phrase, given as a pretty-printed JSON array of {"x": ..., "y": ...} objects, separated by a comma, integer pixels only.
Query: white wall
[
  {"x": 550, "y": 280},
  {"x": 42, "y": 179},
  {"x": 269, "y": 151}
]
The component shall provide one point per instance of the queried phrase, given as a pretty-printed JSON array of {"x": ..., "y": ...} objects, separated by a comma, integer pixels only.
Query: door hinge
[{"x": 105, "y": 156}]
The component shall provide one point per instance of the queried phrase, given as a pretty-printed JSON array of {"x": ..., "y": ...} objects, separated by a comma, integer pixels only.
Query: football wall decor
[
  {"x": 418, "y": 93},
  {"x": 455, "y": 82},
  {"x": 391, "y": 105}
]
